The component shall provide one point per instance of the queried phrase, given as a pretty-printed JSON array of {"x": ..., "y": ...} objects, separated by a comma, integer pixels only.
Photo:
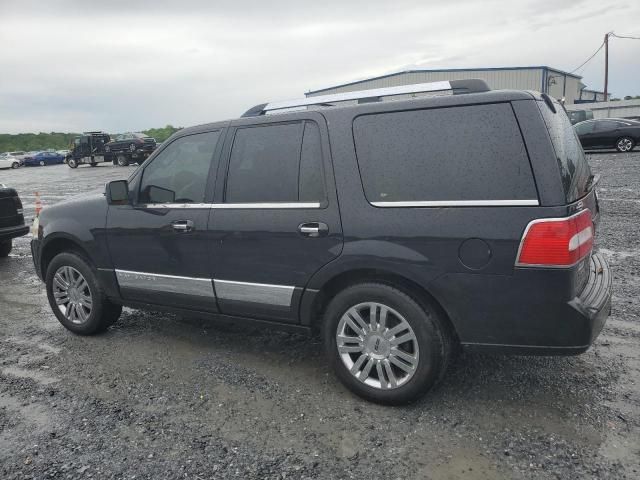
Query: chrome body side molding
[
  {"x": 279, "y": 295},
  {"x": 267, "y": 294},
  {"x": 154, "y": 282}
]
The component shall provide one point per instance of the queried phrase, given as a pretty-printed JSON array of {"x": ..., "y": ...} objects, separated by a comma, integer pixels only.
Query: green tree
[{"x": 58, "y": 141}]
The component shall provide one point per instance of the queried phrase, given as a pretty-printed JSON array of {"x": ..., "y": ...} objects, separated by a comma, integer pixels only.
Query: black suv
[
  {"x": 11, "y": 219},
  {"x": 130, "y": 147},
  {"x": 402, "y": 229}
]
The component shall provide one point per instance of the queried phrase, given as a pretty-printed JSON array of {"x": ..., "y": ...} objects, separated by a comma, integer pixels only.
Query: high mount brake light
[{"x": 556, "y": 242}]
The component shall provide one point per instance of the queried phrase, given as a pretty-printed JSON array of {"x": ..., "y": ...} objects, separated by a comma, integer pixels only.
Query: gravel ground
[{"x": 159, "y": 396}]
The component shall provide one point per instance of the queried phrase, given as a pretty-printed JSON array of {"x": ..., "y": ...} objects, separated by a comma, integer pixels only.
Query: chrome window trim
[
  {"x": 266, "y": 205},
  {"x": 459, "y": 203},
  {"x": 269, "y": 294}
]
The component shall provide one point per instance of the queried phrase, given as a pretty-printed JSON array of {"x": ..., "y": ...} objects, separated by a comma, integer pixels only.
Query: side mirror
[{"x": 117, "y": 192}]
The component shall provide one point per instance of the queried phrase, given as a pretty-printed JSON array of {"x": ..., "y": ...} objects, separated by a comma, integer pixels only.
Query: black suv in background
[
  {"x": 401, "y": 229},
  {"x": 128, "y": 147},
  {"x": 11, "y": 219}
]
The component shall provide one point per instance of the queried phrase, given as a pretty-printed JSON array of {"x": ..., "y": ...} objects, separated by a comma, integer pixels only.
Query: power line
[
  {"x": 588, "y": 59},
  {"x": 625, "y": 36}
]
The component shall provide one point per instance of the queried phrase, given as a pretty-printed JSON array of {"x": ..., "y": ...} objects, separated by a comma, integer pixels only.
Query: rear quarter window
[
  {"x": 448, "y": 154},
  {"x": 572, "y": 163}
]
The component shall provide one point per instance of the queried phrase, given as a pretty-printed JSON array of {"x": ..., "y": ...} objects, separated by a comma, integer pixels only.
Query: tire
[
  {"x": 122, "y": 160},
  {"x": 86, "y": 317},
  {"x": 107, "y": 148},
  {"x": 15, "y": 165},
  {"x": 428, "y": 348},
  {"x": 625, "y": 144},
  {"x": 72, "y": 163},
  {"x": 42, "y": 163},
  {"x": 93, "y": 164},
  {"x": 5, "y": 248}
]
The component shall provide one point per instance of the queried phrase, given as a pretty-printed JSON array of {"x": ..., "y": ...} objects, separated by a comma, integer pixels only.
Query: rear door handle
[
  {"x": 313, "y": 229},
  {"x": 182, "y": 225}
]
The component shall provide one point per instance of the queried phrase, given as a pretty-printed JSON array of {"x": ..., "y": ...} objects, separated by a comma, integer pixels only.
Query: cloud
[{"x": 71, "y": 66}]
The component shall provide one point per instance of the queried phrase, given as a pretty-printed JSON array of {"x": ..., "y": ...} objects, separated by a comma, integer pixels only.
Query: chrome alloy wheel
[
  {"x": 625, "y": 145},
  {"x": 377, "y": 345},
  {"x": 72, "y": 294}
]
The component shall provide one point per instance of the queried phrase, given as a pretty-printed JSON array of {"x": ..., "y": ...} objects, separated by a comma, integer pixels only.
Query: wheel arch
[
  {"x": 315, "y": 302},
  {"x": 57, "y": 245}
]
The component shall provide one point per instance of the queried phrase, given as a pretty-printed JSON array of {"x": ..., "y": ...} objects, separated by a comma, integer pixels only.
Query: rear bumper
[
  {"x": 7, "y": 233},
  {"x": 528, "y": 315}
]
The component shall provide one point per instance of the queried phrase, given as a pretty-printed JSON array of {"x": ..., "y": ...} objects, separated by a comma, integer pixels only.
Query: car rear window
[
  {"x": 468, "y": 153},
  {"x": 573, "y": 165}
]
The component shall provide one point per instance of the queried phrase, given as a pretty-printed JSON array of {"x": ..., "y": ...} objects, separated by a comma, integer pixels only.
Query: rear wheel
[
  {"x": 42, "y": 163},
  {"x": 123, "y": 161},
  {"x": 93, "y": 164},
  {"x": 625, "y": 144},
  {"x": 15, "y": 165},
  {"x": 5, "y": 248},
  {"x": 384, "y": 345},
  {"x": 76, "y": 297},
  {"x": 72, "y": 163}
]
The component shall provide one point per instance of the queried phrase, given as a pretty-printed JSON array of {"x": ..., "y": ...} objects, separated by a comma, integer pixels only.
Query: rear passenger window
[
  {"x": 311, "y": 171},
  {"x": 276, "y": 163},
  {"x": 448, "y": 154},
  {"x": 573, "y": 165}
]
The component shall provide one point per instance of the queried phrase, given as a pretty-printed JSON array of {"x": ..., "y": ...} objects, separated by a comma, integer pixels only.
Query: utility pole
[{"x": 606, "y": 66}]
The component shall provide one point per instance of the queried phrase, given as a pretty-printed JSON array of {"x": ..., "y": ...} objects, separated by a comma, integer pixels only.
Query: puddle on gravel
[
  {"x": 30, "y": 374},
  {"x": 34, "y": 342},
  {"x": 619, "y": 254},
  {"x": 36, "y": 415}
]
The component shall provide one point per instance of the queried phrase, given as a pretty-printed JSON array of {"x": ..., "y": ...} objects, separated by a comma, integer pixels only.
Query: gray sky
[{"x": 126, "y": 65}]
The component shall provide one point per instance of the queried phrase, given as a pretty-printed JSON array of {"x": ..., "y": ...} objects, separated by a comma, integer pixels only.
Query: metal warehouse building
[
  {"x": 617, "y": 108},
  {"x": 557, "y": 83}
]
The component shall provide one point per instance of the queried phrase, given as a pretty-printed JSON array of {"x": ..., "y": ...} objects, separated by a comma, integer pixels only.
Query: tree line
[{"x": 28, "y": 142}]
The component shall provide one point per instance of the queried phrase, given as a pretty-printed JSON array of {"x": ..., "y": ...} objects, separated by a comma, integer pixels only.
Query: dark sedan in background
[
  {"x": 619, "y": 133},
  {"x": 131, "y": 142},
  {"x": 43, "y": 158}
]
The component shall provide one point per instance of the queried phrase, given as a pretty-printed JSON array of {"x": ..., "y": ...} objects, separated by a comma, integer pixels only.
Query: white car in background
[{"x": 9, "y": 161}]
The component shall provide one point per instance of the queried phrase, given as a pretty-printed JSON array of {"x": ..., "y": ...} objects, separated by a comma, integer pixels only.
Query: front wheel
[
  {"x": 93, "y": 164},
  {"x": 76, "y": 297},
  {"x": 5, "y": 248},
  {"x": 384, "y": 345},
  {"x": 72, "y": 163},
  {"x": 625, "y": 144},
  {"x": 15, "y": 165},
  {"x": 122, "y": 160},
  {"x": 42, "y": 163}
]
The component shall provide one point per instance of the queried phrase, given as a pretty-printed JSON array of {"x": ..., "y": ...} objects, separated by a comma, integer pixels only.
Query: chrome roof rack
[{"x": 373, "y": 95}]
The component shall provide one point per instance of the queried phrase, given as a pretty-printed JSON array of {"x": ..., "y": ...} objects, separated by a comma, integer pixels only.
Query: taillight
[{"x": 556, "y": 242}]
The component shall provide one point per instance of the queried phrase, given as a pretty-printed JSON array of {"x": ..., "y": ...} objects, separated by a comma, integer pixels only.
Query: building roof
[
  {"x": 440, "y": 70},
  {"x": 605, "y": 105}
]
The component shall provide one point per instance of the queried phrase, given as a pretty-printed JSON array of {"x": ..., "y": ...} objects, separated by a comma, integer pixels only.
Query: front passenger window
[{"x": 179, "y": 173}]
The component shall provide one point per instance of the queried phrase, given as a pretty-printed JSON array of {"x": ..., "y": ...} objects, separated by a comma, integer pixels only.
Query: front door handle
[
  {"x": 182, "y": 225},
  {"x": 313, "y": 229}
]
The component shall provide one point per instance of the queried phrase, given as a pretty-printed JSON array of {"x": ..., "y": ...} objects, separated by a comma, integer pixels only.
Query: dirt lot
[{"x": 162, "y": 397}]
